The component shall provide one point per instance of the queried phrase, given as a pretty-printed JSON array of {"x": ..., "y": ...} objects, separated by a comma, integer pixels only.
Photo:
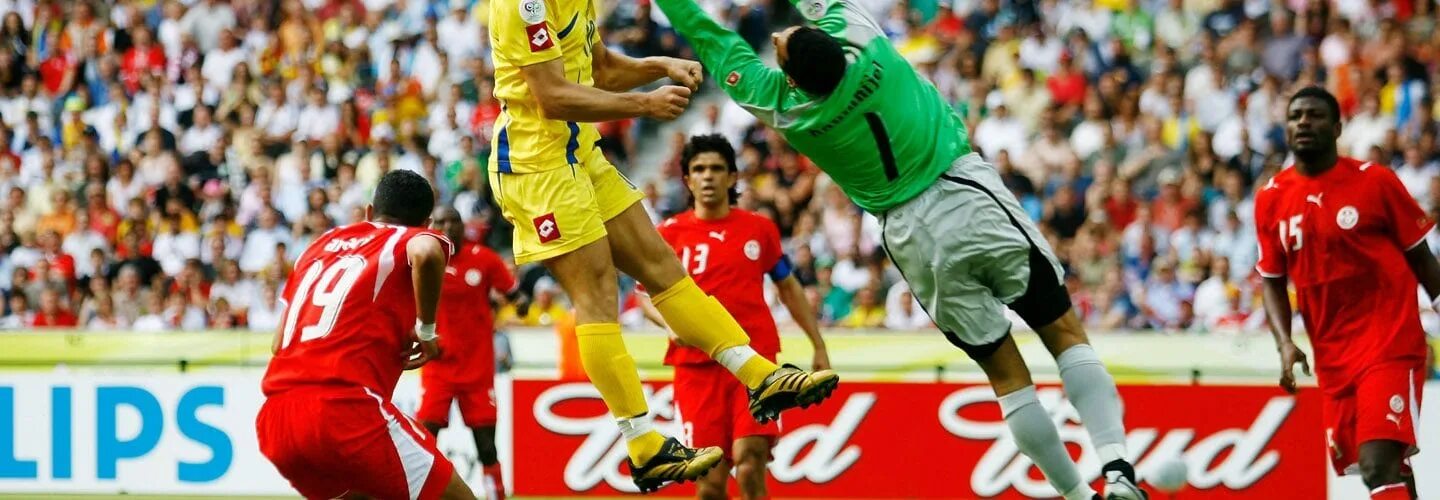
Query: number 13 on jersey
[
  {"x": 321, "y": 292},
  {"x": 701, "y": 256}
]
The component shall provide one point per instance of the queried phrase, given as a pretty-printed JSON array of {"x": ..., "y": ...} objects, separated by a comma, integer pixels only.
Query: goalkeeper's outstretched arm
[{"x": 752, "y": 84}]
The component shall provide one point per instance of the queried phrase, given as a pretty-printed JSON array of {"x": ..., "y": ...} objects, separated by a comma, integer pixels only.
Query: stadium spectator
[
  {"x": 153, "y": 319},
  {"x": 19, "y": 315},
  {"x": 104, "y": 318},
  {"x": 264, "y": 312}
]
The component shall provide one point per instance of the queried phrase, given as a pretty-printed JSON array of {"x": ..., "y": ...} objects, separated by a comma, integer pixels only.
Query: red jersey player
[
  {"x": 348, "y": 330},
  {"x": 1353, "y": 241},
  {"x": 729, "y": 252},
  {"x": 466, "y": 373}
]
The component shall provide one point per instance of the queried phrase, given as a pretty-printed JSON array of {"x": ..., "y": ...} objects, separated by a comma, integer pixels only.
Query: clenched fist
[
  {"x": 684, "y": 72},
  {"x": 666, "y": 103}
]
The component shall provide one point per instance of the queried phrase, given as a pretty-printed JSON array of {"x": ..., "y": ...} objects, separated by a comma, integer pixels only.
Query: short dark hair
[
  {"x": 405, "y": 197},
  {"x": 1318, "y": 92},
  {"x": 712, "y": 143},
  {"x": 816, "y": 62}
]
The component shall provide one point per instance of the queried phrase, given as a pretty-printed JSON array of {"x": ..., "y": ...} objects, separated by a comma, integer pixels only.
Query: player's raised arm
[
  {"x": 618, "y": 72},
  {"x": 524, "y": 36},
  {"x": 427, "y": 257},
  {"x": 743, "y": 75}
]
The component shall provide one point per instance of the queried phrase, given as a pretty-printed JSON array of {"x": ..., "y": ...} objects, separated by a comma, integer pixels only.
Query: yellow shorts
[{"x": 559, "y": 210}]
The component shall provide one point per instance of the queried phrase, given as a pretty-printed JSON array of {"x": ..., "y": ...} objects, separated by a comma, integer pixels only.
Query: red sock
[
  {"x": 494, "y": 483},
  {"x": 1395, "y": 491}
]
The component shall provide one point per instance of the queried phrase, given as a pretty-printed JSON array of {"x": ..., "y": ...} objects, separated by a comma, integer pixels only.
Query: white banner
[
  {"x": 162, "y": 434},
  {"x": 194, "y": 434}
]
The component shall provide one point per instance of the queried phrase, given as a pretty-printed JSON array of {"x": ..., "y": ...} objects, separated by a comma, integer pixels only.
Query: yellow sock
[
  {"x": 754, "y": 371},
  {"x": 644, "y": 446},
  {"x": 700, "y": 321},
  {"x": 611, "y": 369}
]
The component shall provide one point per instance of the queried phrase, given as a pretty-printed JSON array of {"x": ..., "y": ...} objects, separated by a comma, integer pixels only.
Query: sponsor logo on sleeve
[{"x": 539, "y": 37}]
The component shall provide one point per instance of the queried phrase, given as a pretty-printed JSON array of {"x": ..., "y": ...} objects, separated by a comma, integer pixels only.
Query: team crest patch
[
  {"x": 752, "y": 250},
  {"x": 532, "y": 11},
  {"x": 546, "y": 228},
  {"x": 1347, "y": 217},
  {"x": 472, "y": 277},
  {"x": 1397, "y": 404},
  {"x": 733, "y": 78},
  {"x": 539, "y": 37}
]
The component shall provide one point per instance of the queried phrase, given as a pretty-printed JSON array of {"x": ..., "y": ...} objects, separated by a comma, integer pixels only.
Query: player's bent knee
[
  {"x": 1380, "y": 462},
  {"x": 588, "y": 277},
  {"x": 1004, "y": 366},
  {"x": 1062, "y": 334},
  {"x": 750, "y": 472}
]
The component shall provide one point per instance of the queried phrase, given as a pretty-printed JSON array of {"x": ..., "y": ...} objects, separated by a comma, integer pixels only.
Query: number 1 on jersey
[
  {"x": 882, "y": 143},
  {"x": 329, "y": 284}
]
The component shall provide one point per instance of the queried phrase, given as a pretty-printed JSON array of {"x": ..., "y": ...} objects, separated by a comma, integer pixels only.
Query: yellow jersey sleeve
[{"x": 523, "y": 32}]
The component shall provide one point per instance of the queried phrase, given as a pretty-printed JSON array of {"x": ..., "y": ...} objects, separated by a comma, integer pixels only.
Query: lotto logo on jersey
[
  {"x": 546, "y": 228},
  {"x": 539, "y": 37}
]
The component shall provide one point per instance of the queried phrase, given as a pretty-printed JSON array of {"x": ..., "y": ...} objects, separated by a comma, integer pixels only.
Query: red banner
[{"x": 888, "y": 440}]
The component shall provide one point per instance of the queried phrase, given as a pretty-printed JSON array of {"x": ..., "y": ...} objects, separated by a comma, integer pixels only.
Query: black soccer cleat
[
  {"x": 789, "y": 387},
  {"x": 1120, "y": 483},
  {"x": 674, "y": 463}
]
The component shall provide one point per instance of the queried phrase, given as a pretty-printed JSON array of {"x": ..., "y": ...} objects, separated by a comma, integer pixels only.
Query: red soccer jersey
[
  {"x": 1341, "y": 238},
  {"x": 350, "y": 311},
  {"x": 465, "y": 322},
  {"x": 729, "y": 258}
]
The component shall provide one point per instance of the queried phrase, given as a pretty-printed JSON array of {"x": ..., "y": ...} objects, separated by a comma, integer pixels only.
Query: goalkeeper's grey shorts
[{"x": 968, "y": 251}]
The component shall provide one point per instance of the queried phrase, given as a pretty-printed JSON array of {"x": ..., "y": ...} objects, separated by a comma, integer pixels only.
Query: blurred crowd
[{"x": 164, "y": 162}]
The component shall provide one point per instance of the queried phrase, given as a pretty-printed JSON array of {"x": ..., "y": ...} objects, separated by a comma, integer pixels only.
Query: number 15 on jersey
[{"x": 1292, "y": 231}]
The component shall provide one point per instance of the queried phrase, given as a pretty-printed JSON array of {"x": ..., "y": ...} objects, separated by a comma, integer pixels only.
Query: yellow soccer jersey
[{"x": 526, "y": 32}]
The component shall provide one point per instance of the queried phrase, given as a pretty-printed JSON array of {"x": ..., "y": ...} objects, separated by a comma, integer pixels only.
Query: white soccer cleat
[{"x": 1120, "y": 483}]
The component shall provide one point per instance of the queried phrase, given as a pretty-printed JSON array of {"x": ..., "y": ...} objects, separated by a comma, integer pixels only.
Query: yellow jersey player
[{"x": 574, "y": 212}]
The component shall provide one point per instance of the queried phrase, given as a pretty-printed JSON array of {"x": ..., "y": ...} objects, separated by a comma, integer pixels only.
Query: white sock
[
  {"x": 735, "y": 357},
  {"x": 635, "y": 427},
  {"x": 1092, "y": 391},
  {"x": 487, "y": 483},
  {"x": 1037, "y": 438}
]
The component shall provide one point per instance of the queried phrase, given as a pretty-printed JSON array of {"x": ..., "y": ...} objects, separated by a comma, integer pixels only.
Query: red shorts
[
  {"x": 714, "y": 407},
  {"x": 328, "y": 442},
  {"x": 477, "y": 401},
  {"x": 1385, "y": 405}
]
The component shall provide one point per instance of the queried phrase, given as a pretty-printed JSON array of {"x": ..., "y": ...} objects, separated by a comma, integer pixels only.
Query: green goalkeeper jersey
[{"x": 884, "y": 135}]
